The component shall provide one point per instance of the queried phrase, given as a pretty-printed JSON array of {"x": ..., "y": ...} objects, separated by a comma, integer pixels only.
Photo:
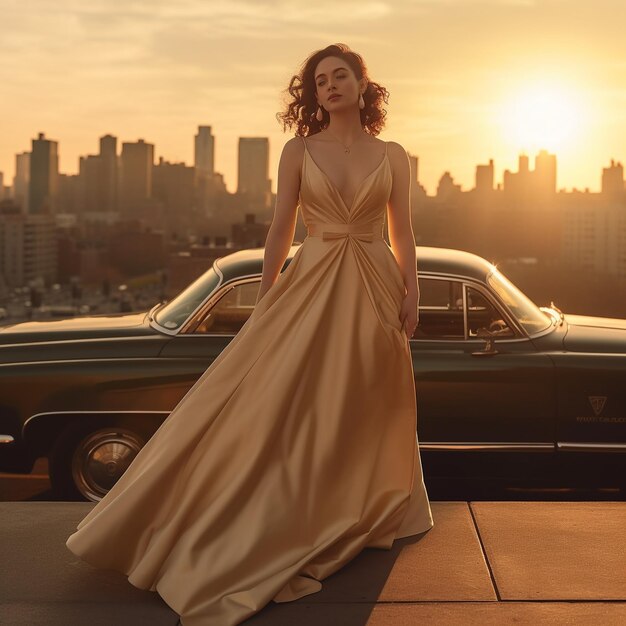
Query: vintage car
[{"x": 505, "y": 389}]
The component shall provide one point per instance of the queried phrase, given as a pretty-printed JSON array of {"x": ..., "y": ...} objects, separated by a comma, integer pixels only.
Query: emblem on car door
[{"x": 597, "y": 403}]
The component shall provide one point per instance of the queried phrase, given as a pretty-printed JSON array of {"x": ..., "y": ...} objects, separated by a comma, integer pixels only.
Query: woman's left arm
[{"x": 401, "y": 235}]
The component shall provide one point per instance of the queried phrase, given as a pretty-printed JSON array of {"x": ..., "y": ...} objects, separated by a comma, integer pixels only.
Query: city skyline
[
  {"x": 524, "y": 162},
  {"x": 487, "y": 91}
]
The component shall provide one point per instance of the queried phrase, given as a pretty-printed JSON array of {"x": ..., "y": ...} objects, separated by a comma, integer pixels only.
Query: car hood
[
  {"x": 87, "y": 327},
  {"x": 586, "y": 333}
]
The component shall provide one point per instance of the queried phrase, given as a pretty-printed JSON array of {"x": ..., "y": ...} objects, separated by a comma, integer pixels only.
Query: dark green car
[{"x": 505, "y": 389}]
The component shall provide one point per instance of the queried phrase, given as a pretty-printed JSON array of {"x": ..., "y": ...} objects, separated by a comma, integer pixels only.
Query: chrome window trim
[
  {"x": 546, "y": 331},
  {"x": 500, "y": 308},
  {"x": 465, "y": 320},
  {"x": 450, "y": 278},
  {"x": 445, "y": 276},
  {"x": 176, "y": 331},
  {"x": 467, "y": 281},
  {"x": 539, "y": 333},
  {"x": 222, "y": 287},
  {"x": 215, "y": 294},
  {"x": 191, "y": 323},
  {"x": 153, "y": 309}
]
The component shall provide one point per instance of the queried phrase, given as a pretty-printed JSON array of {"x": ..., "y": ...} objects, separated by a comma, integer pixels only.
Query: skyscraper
[
  {"x": 136, "y": 174},
  {"x": 613, "y": 182},
  {"x": 204, "y": 151},
  {"x": 44, "y": 175},
  {"x": 485, "y": 178},
  {"x": 108, "y": 154},
  {"x": 253, "y": 172},
  {"x": 545, "y": 174},
  {"x": 21, "y": 180},
  {"x": 91, "y": 187}
]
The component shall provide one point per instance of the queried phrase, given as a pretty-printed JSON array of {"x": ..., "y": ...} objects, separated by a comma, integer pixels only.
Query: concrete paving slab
[
  {"x": 74, "y": 613},
  {"x": 41, "y": 577},
  {"x": 536, "y": 551},
  {"x": 555, "y": 550},
  {"x": 442, "y": 614},
  {"x": 444, "y": 563}
]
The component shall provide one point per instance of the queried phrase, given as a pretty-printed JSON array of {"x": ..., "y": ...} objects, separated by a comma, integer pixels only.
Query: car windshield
[
  {"x": 525, "y": 310},
  {"x": 175, "y": 312}
]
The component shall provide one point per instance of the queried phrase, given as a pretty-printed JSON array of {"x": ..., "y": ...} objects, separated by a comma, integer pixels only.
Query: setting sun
[{"x": 545, "y": 116}]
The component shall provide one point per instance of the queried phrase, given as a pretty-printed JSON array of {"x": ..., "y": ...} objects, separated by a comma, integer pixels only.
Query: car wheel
[{"x": 87, "y": 460}]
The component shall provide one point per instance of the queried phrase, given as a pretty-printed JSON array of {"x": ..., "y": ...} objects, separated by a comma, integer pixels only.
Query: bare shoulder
[
  {"x": 396, "y": 151},
  {"x": 293, "y": 146},
  {"x": 292, "y": 154},
  {"x": 399, "y": 160},
  {"x": 289, "y": 165}
]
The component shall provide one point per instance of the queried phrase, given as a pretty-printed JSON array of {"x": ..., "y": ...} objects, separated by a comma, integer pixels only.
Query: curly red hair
[{"x": 301, "y": 110}]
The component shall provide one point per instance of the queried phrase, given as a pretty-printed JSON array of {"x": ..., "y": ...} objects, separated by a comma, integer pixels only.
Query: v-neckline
[{"x": 360, "y": 185}]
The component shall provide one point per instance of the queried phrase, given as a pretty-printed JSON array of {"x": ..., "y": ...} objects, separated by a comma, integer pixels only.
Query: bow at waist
[{"x": 365, "y": 231}]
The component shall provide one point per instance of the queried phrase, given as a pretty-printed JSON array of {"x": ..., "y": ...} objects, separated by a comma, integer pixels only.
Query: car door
[{"x": 500, "y": 401}]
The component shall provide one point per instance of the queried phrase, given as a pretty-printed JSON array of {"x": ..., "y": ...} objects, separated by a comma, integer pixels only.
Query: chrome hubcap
[{"x": 101, "y": 458}]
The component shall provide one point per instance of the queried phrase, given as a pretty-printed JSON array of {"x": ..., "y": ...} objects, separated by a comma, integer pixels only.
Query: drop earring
[
  {"x": 319, "y": 116},
  {"x": 361, "y": 102}
]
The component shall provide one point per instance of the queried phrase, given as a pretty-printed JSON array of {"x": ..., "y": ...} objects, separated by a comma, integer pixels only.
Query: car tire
[{"x": 87, "y": 459}]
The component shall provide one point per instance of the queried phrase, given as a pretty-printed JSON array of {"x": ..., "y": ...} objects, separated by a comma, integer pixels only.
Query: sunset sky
[{"x": 469, "y": 80}]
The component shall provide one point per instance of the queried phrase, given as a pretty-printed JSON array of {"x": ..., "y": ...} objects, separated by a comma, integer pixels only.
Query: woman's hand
[{"x": 409, "y": 313}]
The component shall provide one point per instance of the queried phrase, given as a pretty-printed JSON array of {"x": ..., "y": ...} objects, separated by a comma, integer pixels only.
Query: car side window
[
  {"x": 440, "y": 310},
  {"x": 232, "y": 310},
  {"x": 481, "y": 313}
]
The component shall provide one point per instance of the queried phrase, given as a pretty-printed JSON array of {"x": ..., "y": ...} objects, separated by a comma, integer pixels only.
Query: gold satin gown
[{"x": 295, "y": 449}]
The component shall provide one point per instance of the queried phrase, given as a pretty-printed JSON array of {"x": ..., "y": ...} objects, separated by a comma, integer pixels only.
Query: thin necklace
[{"x": 346, "y": 149}]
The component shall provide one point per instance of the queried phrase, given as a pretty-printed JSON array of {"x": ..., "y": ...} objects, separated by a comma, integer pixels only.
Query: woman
[{"x": 297, "y": 447}]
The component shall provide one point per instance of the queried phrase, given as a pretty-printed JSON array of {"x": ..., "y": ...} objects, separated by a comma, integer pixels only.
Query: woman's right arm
[{"x": 283, "y": 226}]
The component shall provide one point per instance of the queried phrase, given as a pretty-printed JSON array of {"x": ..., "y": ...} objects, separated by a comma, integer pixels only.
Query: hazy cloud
[{"x": 79, "y": 68}]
